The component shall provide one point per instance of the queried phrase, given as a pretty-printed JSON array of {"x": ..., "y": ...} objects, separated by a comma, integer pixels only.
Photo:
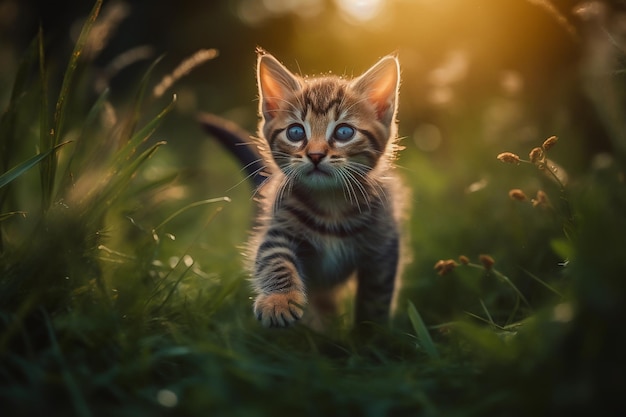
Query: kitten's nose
[{"x": 316, "y": 157}]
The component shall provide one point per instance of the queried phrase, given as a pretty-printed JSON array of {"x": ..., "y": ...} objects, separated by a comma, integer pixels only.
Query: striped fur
[{"x": 331, "y": 206}]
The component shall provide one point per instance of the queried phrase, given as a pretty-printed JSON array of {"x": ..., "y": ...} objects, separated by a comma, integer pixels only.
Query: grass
[{"x": 121, "y": 292}]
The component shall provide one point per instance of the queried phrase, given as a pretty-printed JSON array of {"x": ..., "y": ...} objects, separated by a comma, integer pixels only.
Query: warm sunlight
[
  {"x": 361, "y": 10},
  {"x": 355, "y": 11},
  {"x": 428, "y": 196}
]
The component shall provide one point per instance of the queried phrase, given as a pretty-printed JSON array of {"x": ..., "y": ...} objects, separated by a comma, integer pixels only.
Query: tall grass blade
[
  {"x": 131, "y": 123},
  {"x": 190, "y": 206},
  {"x": 46, "y": 136},
  {"x": 156, "y": 184},
  {"x": 68, "y": 78},
  {"x": 124, "y": 154},
  {"x": 96, "y": 109},
  {"x": 545, "y": 284},
  {"x": 56, "y": 132},
  {"x": 79, "y": 402},
  {"x": 123, "y": 167},
  {"x": 157, "y": 288},
  {"x": 22, "y": 77},
  {"x": 423, "y": 337},
  {"x": 20, "y": 169},
  {"x": 5, "y": 216},
  {"x": 115, "y": 187},
  {"x": 513, "y": 286},
  {"x": 486, "y": 310},
  {"x": 174, "y": 287},
  {"x": 85, "y": 148},
  {"x": 8, "y": 118}
]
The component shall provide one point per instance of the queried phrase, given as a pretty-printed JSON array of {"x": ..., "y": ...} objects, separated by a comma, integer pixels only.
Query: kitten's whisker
[
  {"x": 352, "y": 197},
  {"x": 354, "y": 181},
  {"x": 278, "y": 156},
  {"x": 252, "y": 174},
  {"x": 348, "y": 190},
  {"x": 252, "y": 163},
  {"x": 280, "y": 193},
  {"x": 376, "y": 189},
  {"x": 292, "y": 175},
  {"x": 351, "y": 181}
]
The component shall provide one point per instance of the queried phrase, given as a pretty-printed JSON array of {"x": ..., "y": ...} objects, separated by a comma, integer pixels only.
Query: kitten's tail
[{"x": 236, "y": 140}]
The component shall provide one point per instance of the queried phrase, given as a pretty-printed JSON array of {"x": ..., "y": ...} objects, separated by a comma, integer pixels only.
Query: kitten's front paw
[{"x": 279, "y": 309}]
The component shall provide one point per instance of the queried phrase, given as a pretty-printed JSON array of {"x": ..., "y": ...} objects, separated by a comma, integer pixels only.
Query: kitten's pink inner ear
[
  {"x": 383, "y": 95},
  {"x": 276, "y": 84},
  {"x": 270, "y": 90},
  {"x": 381, "y": 87}
]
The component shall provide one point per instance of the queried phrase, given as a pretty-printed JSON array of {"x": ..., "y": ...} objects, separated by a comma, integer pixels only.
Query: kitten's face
[{"x": 328, "y": 132}]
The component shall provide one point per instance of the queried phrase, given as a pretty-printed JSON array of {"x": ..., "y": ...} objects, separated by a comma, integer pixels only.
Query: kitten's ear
[
  {"x": 276, "y": 83},
  {"x": 380, "y": 84}
]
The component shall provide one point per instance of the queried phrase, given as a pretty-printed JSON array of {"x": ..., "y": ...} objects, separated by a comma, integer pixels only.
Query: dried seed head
[
  {"x": 487, "y": 261},
  {"x": 517, "y": 194},
  {"x": 445, "y": 266},
  {"x": 184, "y": 68},
  {"x": 509, "y": 158},
  {"x": 536, "y": 156},
  {"x": 464, "y": 260},
  {"x": 549, "y": 143},
  {"x": 541, "y": 200}
]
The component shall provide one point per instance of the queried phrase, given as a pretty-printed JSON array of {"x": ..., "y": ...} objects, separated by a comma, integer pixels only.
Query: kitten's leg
[
  {"x": 376, "y": 283},
  {"x": 281, "y": 295}
]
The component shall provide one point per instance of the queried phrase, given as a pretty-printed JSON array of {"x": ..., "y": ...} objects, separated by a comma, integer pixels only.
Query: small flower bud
[
  {"x": 541, "y": 200},
  {"x": 549, "y": 143},
  {"x": 487, "y": 261},
  {"x": 517, "y": 194},
  {"x": 536, "y": 156},
  {"x": 443, "y": 267},
  {"x": 464, "y": 260},
  {"x": 509, "y": 158}
]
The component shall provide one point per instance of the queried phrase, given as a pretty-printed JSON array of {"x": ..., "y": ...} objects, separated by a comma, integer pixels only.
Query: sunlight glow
[{"x": 361, "y": 10}]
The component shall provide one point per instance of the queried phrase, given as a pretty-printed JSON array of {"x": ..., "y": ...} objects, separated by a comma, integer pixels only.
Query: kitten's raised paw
[{"x": 279, "y": 309}]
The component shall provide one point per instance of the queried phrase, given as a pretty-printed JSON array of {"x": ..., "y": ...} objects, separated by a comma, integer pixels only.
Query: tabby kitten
[{"x": 330, "y": 207}]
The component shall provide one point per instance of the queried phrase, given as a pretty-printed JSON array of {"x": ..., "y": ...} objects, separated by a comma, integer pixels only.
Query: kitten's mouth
[{"x": 317, "y": 172}]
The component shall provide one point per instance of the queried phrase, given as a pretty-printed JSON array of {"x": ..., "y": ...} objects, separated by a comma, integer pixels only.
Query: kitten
[{"x": 331, "y": 205}]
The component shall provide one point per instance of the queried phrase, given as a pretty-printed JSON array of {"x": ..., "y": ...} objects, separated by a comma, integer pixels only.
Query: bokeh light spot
[
  {"x": 427, "y": 137},
  {"x": 361, "y": 10},
  {"x": 167, "y": 398}
]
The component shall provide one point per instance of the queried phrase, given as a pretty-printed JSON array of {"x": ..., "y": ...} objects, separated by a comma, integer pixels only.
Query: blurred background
[
  {"x": 478, "y": 78},
  {"x": 458, "y": 57}
]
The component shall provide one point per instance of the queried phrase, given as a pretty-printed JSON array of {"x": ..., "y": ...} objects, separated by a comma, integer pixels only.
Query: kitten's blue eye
[
  {"x": 344, "y": 133},
  {"x": 296, "y": 133}
]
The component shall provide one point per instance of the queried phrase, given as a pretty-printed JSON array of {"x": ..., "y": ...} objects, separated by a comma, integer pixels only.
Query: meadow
[{"x": 122, "y": 290}]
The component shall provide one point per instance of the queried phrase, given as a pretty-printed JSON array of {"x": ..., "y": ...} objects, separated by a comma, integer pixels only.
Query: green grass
[{"x": 122, "y": 292}]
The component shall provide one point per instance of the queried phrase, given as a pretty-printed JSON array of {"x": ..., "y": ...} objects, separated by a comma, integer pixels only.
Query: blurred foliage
[{"x": 121, "y": 286}]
